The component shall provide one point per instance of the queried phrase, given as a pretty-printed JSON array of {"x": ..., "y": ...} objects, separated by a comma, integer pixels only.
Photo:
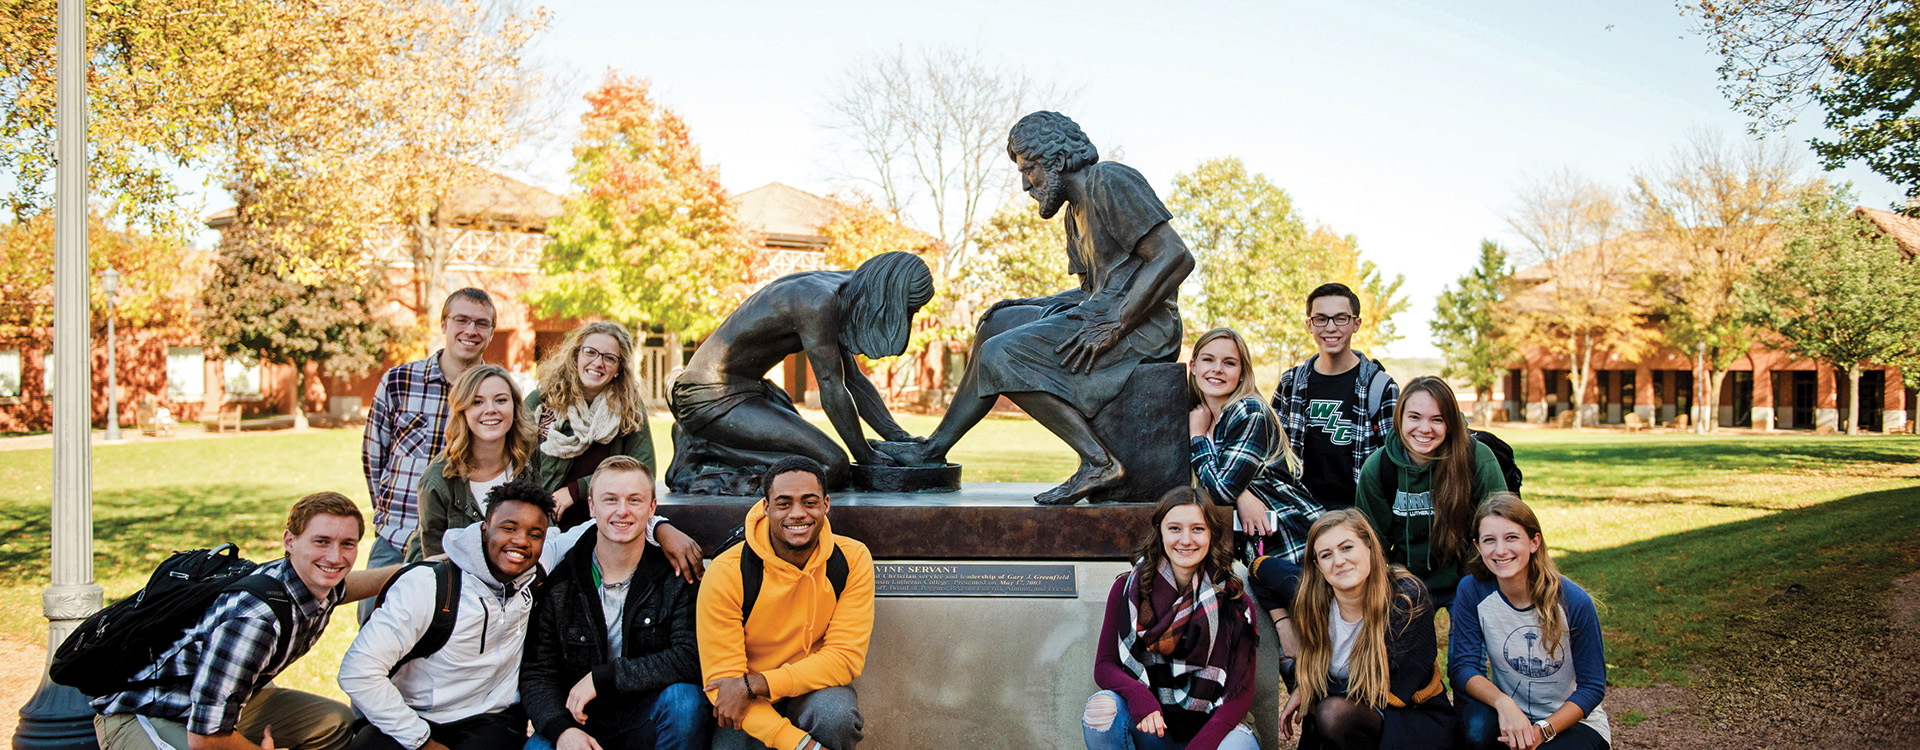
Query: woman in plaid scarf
[{"x": 1176, "y": 651}]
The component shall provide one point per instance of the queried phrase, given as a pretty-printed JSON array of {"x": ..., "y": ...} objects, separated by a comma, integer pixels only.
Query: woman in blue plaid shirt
[{"x": 1240, "y": 454}]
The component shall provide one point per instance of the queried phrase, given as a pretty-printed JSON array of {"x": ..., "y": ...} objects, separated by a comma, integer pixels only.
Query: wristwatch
[{"x": 1546, "y": 730}]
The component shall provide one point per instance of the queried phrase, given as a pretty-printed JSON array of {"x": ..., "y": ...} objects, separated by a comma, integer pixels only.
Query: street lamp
[
  {"x": 110, "y": 283},
  {"x": 57, "y": 716}
]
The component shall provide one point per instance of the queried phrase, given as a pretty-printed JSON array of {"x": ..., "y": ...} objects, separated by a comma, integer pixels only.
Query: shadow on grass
[
  {"x": 1663, "y": 457},
  {"x": 134, "y": 530},
  {"x": 1668, "y": 602}
]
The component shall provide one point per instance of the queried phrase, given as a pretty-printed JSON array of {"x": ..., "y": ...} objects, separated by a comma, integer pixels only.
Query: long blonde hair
[
  {"x": 1543, "y": 577},
  {"x": 459, "y": 451},
  {"x": 1367, "y": 675},
  {"x": 1453, "y": 469},
  {"x": 1248, "y": 388},
  {"x": 560, "y": 387}
]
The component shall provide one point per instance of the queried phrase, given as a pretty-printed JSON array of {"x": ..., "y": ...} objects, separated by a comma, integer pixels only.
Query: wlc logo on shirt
[{"x": 1325, "y": 414}]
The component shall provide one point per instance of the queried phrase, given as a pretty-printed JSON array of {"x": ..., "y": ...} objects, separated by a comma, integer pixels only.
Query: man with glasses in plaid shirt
[{"x": 407, "y": 424}]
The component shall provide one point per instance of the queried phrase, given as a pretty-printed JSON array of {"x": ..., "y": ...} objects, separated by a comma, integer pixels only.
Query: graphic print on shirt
[
  {"x": 1412, "y": 504},
  {"x": 1524, "y": 652},
  {"x": 1325, "y": 414}
]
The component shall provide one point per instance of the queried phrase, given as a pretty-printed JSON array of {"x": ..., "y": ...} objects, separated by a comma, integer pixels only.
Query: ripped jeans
[{"x": 1108, "y": 726}]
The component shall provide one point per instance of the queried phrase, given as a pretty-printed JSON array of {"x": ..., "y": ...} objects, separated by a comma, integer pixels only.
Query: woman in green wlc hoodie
[{"x": 1421, "y": 488}]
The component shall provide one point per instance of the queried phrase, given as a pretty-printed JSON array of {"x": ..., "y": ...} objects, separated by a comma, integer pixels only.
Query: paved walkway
[{"x": 188, "y": 431}]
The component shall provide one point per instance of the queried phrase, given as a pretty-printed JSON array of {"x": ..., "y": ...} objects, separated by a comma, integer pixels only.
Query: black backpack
[
  {"x": 753, "y": 570},
  {"x": 104, "y": 653},
  {"x": 446, "y": 609},
  {"x": 1389, "y": 479}
]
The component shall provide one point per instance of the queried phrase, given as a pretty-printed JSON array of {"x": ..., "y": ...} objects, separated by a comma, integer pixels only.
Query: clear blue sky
[{"x": 1407, "y": 125}]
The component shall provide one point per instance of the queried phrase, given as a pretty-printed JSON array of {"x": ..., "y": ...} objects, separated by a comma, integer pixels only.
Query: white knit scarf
[{"x": 595, "y": 423}]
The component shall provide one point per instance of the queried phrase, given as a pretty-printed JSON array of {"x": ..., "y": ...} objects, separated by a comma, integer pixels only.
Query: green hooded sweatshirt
[{"x": 1404, "y": 517}]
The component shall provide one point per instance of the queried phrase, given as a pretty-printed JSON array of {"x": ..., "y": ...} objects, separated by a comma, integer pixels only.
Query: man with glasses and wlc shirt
[{"x": 1337, "y": 407}]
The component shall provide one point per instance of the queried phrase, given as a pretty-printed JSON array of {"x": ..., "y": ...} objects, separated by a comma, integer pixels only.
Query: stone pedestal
[
  {"x": 1146, "y": 428},
  {"x": 991, "y": 672}
]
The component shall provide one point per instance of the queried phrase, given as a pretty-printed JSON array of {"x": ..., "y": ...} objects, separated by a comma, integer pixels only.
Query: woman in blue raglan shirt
[{"x": 1525, "y": 652}]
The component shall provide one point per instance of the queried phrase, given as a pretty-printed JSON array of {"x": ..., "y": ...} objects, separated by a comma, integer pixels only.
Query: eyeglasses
[
  {"x": 1341, "y": 321},
  {"x": 478, "y": 324},
  {"x": 591, "y": 353}
]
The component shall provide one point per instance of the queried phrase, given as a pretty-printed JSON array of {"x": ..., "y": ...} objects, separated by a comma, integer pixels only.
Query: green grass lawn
[{"x": 1676, "y": 535}]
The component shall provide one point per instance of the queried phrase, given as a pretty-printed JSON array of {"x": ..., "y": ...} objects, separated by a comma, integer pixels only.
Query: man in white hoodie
[{"x": 464, "y": 694}]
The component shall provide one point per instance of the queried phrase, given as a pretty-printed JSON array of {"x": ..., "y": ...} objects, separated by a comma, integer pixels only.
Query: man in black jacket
[{"x": 610, "y": 659}]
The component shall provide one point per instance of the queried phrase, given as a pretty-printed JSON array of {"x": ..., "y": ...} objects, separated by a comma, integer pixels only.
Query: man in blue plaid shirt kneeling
[{"x": 215, "y": 688}]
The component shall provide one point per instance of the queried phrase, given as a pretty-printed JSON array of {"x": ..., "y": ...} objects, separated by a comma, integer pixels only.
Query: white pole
[{"x": 58, "y": 716}]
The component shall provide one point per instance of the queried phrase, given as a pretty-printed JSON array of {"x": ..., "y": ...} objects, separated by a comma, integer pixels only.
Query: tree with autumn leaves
[{"x": 648, "y": 237}]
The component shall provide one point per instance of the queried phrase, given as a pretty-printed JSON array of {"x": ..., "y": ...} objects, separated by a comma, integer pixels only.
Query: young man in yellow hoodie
[{"x": 778, "y": 655}]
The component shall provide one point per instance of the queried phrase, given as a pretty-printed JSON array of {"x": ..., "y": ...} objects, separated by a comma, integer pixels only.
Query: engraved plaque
[{"x": 975, "y": 579}]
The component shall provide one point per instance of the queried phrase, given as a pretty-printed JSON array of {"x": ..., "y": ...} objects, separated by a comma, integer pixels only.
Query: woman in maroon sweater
[{"x": 1175, "y": 658}]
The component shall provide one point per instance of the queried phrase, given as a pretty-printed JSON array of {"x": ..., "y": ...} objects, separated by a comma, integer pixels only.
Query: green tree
[
  {"x": 862, "y": 229},
  {"x": 1777, "y": 54},
  {"x": 1842, "y": 294},
  {"x": 1466, "y": 327},
  {"x": 365, "y": 99},
  {"x": 648, "y": 237},
  {"x": 1256, "y": 260},
  {"x": 1713, "y": 209},
  {"x": 258, "y": 307},
  {"x": 1021, "y": 255},
  {"x": 1870, "y": 103},
  {"x": 156, "y": 276}
]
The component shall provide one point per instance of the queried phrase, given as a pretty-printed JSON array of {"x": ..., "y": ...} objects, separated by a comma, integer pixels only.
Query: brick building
[
  {"x": 1765, "y": 389},
  {"x": 494, "y": 232}
]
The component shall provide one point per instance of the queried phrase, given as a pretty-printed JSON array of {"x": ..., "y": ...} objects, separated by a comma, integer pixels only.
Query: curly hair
[
  {"x": 881, "y": 296},
  {"x": 1052, "y": 139},
  {"x": 520, "y": 491},
  {"x": 560, "y": 387}
]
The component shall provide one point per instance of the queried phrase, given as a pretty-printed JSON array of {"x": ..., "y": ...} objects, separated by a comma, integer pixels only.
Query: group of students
[
  {"x": 1361, "y": 509},
  {"x": 520, "y": 580},
  {"x": 518, "y": 575}
]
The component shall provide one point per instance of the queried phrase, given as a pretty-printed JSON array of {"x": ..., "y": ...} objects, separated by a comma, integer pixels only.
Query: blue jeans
[
  {"x": 676, "y": 717},
  {"x": 830, "y": 715},
  {"x": 1121, "y": 734},
  {"x": 1480, "y": 729},
  {"x": 1274, "y": 580}
]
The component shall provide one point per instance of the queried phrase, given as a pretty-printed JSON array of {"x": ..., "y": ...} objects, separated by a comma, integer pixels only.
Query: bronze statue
[
  {"x": 1063, "y": 358},
  {"x": 730, "y": 422}
]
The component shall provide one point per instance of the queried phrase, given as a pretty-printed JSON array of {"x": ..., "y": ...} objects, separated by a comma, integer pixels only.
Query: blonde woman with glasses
[{"x": 588, "y": 408}]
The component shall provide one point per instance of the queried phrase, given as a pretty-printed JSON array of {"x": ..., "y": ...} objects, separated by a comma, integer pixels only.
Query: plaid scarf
[{"x": 1181, "y": 655}]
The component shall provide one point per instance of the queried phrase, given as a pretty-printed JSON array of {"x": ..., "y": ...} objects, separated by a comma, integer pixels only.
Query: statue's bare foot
[
  {"x": 909, "y": 453},
  {"x": 1089, "y": 479}
]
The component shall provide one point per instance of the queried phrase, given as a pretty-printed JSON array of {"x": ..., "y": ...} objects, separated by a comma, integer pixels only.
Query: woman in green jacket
[
  {"x": 588, "y": 408},
  {"x": 1420, "y": 489},
  {"x": 489, "y": 441}
]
